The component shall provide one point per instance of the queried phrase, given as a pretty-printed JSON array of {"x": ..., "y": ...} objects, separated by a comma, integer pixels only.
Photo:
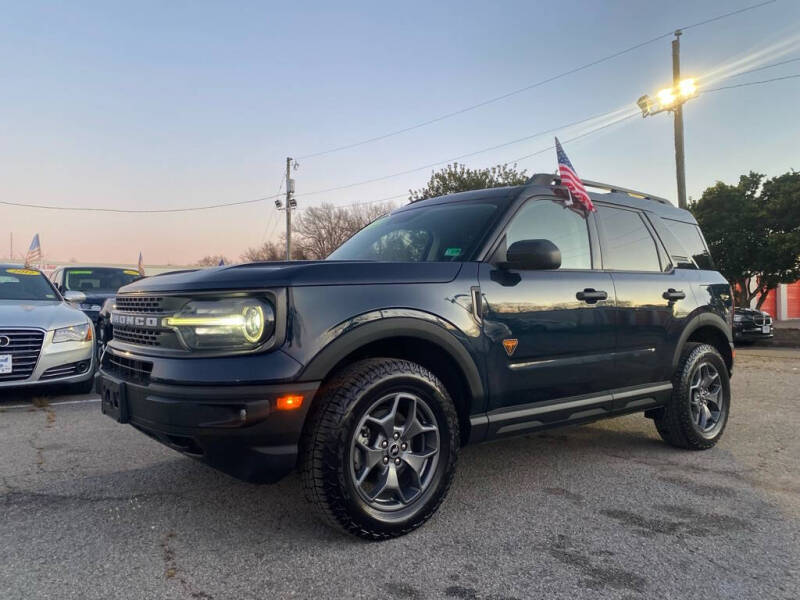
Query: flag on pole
[
  {"x": 34, "y": 252},
  {"x": 141, "y": 265},
  {"x": 221, "y": 262},
  {"x": 570, "y": 179}
]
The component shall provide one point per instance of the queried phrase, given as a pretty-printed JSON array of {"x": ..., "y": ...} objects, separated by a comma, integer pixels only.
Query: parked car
[
  {"x": 751, "y": 325},
  {"x": 89, "y": 287},
  {"x": 453, "y": 320},
  {"x": 43, "y": 339}
]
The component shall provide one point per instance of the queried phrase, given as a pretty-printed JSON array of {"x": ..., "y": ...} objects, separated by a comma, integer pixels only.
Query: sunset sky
[{"x": 154, "y": 105}]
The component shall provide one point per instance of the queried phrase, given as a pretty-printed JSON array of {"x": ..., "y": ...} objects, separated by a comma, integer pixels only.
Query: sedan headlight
[
  {"x": 75, "y": 333},
  {"x": 228, "y": 324}
]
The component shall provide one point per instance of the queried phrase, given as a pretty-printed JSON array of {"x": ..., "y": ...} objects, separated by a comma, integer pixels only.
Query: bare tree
[
  {"x": 272, "y": 252},
  {"x": 322, "y": 229},
  {"x": 212, "y": 260}
]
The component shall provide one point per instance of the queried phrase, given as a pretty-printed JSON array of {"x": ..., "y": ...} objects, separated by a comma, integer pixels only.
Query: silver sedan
[{"x": 43, "y": 340}]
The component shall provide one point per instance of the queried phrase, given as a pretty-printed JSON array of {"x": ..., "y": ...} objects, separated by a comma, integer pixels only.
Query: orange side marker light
[{"x": 289, "y": 402}]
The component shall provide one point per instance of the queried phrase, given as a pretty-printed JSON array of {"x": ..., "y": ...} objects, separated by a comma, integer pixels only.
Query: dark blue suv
[{"x": 452, "y": 320}]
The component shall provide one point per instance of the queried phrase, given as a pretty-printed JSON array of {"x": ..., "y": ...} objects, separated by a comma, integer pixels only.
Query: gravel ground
[{"x": 92, "y": 509}]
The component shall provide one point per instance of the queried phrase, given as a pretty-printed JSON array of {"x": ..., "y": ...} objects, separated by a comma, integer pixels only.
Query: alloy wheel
[
  {"x": 706, "y": 398},
  {"x": 394, "y": 451}
]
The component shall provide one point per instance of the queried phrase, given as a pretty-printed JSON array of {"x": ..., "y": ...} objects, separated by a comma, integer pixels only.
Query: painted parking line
[{"x": 30, "y": 404}]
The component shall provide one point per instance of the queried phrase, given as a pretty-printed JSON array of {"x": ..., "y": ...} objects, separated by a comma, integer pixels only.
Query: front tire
[
  {"x": 379, "y": 452},
  {"x": 696, "y": 414}
]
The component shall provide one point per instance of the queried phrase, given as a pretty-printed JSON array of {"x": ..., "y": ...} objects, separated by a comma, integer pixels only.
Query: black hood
[{"x": 296, "y": 273}]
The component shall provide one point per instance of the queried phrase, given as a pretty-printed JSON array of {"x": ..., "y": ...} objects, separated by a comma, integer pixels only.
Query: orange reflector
[
  {"x": 289, "y": 402},
  {"x": 89, "y": 335}
]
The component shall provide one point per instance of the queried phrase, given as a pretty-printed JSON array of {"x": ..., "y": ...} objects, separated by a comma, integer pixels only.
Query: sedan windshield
[
  {"x": 98, "y": 280},
  {"x": 448, "y": 232},
  {"x": 25, "y": 284}
]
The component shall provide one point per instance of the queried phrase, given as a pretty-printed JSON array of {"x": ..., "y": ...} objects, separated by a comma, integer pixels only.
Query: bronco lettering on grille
[{"x": 135, "y": 321}]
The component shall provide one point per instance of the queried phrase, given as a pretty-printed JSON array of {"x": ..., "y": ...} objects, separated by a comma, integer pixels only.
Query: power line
[
  {"x": 461, "y": 156},
  {"x": 132, "y": 210},
  {"x": 542, "y": 151},
  {"x": 529, "y": 87},
  {"x": 777, "y": 64},
  {"x": 315, "y": 192},
  {"x": 738, "y": 85}
]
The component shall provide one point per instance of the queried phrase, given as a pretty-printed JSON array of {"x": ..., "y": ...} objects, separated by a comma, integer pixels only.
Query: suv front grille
[
  {"x": 129, "y": 369},
  {"x": 140, "y": 304},
  {"x": 762, "y": 320},
  {"x": 24, "y": 346},
  {"x": 142, "y": 337},
  {"x": 148, "y": 330}
]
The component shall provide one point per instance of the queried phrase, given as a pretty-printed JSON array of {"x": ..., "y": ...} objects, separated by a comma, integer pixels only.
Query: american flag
[
  {"x": 34, "y": 254},
  {"x": 570, "y": 179},
  {"x": 141, "y": 265}
]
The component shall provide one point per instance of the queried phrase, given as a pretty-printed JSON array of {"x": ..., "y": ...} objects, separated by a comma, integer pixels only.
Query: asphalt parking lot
[{"x": 92, "y": 509}]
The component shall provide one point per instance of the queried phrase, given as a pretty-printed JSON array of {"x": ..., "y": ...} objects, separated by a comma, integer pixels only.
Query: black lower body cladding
[{"x": 237, "y": 429}]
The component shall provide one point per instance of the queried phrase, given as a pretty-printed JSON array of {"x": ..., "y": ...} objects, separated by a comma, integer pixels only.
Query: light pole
[{"x": 672, "y": 99}]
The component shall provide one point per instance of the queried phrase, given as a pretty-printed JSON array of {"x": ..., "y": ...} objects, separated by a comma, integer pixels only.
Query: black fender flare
[
  {"x": 705, "y": 319},
  {"x": 377, "y": 325}
]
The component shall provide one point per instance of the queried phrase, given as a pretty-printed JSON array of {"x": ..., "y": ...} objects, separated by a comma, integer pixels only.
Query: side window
[
  {"x": 689, "y": 236},
  {"x": 548, "y": 220},
  {"x": 627, "y": 243}
]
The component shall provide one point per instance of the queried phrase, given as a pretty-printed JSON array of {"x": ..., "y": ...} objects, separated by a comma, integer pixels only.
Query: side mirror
[
  {"x": 74, "y": 297},
  {"x": 532, "y": 255}
]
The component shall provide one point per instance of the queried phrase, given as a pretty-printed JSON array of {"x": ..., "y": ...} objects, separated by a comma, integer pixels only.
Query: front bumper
[
  {"x": 63, "y": 363},
  {"x": 752, "y": 332},
  {"x": 234, "y": 428}
]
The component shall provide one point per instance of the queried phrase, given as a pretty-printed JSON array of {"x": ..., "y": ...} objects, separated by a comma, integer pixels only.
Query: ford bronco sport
[{"x": 452, "y": 320}]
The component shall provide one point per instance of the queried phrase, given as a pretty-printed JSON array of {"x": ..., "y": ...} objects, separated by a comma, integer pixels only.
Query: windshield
[
  {"x": 441, "y": 232},
  {"x": 25, "y": 284},
  {"x": 98, "y": 280}
]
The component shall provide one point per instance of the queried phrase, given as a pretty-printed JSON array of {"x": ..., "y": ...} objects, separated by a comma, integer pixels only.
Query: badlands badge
[{"x": 510, "y": 345}]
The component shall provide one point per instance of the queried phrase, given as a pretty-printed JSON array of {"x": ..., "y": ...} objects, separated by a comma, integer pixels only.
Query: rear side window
[
  {"x": 627, "y": 243},
  {"x": 691, "y": 239}
]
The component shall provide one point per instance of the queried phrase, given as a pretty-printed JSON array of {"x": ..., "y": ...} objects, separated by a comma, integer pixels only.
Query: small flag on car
[
  {"x": 570, "y": 179},
  {"x": 34, "y": 252},
  {"x": 141, "y": 265}
]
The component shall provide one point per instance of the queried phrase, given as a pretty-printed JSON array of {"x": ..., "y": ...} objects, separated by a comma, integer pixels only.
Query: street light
[{"x": 668, "y": 98}]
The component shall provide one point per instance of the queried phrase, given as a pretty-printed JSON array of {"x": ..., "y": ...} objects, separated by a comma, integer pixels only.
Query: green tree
[
  {"x": 753, "y": 231},
  {"x": 458, "y": 178}
]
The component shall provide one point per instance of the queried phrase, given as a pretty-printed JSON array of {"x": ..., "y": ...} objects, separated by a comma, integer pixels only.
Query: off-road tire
[
  {"x": 674, "y": 422},
  {"x": 324, "y": 464}
]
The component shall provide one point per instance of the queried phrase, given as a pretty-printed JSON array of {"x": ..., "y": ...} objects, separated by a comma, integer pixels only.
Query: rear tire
[
  {"x": 697, "y": 412},
  {"x": 379, "y": 451}
]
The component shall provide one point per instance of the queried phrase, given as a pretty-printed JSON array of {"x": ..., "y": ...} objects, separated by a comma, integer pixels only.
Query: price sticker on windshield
[
  {"x": 5, "y": 364},
  {"x": 22, "y": 271}
]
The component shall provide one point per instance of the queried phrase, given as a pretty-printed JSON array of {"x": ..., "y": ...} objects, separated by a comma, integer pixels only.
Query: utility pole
[
  {"x": 289, "y": 191},
  {"x": 11, "y": 250},
  {"x": 680, "y": 165}
]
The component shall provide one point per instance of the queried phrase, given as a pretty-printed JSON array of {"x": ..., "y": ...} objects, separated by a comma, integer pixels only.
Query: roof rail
[{"x": 548, "y": 179}]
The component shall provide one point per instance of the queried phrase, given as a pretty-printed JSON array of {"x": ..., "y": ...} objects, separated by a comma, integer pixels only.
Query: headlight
[
  {"x": 109, "y": 305},
  {"x": 737, "y": 318},
  {"x": 76, "y": 333},
  {"x": 229, "y": 324}
]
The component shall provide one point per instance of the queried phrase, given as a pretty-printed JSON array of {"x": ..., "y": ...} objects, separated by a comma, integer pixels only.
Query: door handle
[
  {"x": 591, "y": 296},
  {"x": 672, "y": 294}
]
